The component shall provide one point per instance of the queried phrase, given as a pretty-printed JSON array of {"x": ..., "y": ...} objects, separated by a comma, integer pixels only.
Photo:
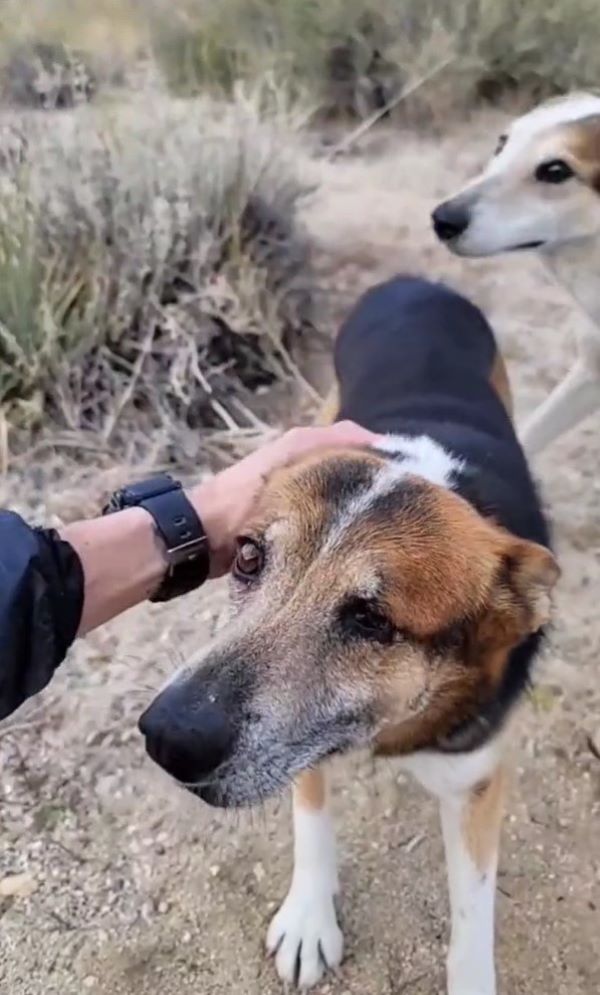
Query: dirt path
[{"x": 135, "y": 889}]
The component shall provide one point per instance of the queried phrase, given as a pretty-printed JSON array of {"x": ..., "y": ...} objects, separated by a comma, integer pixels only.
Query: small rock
[
  {"x": 259, "y": 872},
  {"x": 17, "y": 886},
  {"x": 214, "y": 870},
  {"x": 147, "y": 910},
  {"x": 90, "y": 981}
]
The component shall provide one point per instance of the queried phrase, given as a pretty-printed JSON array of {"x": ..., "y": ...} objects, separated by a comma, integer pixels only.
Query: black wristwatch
[{"x": 178, "y": 526}]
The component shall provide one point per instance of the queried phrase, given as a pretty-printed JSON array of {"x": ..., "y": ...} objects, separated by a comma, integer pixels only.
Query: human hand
[{"x": 224, "y": 501}]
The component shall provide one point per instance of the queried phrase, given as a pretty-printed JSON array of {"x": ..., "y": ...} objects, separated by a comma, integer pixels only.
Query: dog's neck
[{"x": 576, "y": 265}]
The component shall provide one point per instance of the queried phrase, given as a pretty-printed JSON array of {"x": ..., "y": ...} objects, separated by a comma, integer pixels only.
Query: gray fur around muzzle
[{"x": 235, "y": 731}]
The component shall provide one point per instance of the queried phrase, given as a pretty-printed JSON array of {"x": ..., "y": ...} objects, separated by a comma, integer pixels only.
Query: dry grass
[
  {"x": 151, "y": 272},
  {"x": 352, "y": 54},
  {"x": 152, "y": 276},
  {"x": 345, "y": 53},
  {"x": 110, "y": 28}
]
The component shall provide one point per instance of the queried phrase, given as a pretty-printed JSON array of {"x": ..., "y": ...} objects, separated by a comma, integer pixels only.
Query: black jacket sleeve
[{"x": 41, "y": 599}]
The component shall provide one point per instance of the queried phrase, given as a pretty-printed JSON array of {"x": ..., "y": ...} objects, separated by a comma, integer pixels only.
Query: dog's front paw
[{"x": 304, "y": 936}]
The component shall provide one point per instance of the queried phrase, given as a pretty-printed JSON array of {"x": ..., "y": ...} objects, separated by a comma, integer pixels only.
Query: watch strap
[{"x": 179, "y": 527}]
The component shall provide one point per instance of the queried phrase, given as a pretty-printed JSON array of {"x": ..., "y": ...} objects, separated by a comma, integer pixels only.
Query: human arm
[{"x": 57, "y": 586}]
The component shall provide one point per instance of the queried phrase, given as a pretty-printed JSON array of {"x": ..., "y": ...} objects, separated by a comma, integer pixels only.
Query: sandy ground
[{"x": 130, "y": 888}]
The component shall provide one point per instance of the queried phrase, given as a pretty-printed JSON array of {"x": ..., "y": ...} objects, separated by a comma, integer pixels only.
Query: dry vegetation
[
  {"x": 148, "y": 264},
  {"x": 153, "y": 277},
  {"x": 351, "y": 54}
]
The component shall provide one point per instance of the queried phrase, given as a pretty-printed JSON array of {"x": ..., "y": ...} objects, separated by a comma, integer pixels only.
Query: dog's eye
[
  {"x": 501, "y": 143},
  {"x": 363, "y": 620},
  {"x": 249, "y": 560},
  {"x": 555, "y": 171}
]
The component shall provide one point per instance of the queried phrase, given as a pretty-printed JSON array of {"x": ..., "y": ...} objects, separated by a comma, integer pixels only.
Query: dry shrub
[
  {"x": 47, "y": 77},
  {"x": 347, "y": 55},
  {"x": 544, "y": 47},
  {"x": 115, "y": 29},
  {"x": 55, "y": 53},
  {"x": 353, "y": 55},
  {"x": 152, "y": 276}
]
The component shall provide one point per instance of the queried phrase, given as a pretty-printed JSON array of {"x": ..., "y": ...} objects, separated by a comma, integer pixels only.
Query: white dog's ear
[{"x": 584, "y": 146}]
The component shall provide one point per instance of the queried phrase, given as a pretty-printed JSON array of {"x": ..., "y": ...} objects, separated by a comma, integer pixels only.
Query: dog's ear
[
  {"x": 519, "y": 603},
  {"x": 584, "y": 145},
  {"x": 532, "y": 573}
]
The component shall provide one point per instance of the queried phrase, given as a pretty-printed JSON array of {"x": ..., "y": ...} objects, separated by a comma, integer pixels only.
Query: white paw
[{"x": 305, "y": 937}]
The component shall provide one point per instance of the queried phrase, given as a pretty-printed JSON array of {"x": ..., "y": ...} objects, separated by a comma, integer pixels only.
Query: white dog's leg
[
  {"x": 573, "y": 400},
  {"x": 471, "y": 826},
  {"x": 304, "y": 936}
]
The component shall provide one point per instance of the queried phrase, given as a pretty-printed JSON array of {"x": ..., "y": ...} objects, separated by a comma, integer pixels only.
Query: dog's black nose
[
  {"x": 449, "y": 221},
  {"x": 187, "y": 739}
]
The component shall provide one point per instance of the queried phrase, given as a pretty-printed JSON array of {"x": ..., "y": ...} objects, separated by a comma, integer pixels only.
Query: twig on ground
[
  {"x": 593, "y": 747},
  {"x": 254, "y": 420},
  {"x": 342, "y": 147},
  {"x": 127, "y": 394},
  {"x": 67, "y": 850},
  {"x": 216, "y": 405},
  {"x": 293, "y": 368}
]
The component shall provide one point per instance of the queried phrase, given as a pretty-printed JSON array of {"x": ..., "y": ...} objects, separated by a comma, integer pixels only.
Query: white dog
[{"x": 542, "y": 191}]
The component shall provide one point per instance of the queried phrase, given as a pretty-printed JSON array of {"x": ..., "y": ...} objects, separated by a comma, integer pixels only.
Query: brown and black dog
[{"x": 390, "y": 598}]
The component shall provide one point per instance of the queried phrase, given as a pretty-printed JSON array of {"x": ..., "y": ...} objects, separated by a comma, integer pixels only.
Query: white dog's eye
[
  {"x": 554, "y": 171},
  {"x": 501, "y": 143}
]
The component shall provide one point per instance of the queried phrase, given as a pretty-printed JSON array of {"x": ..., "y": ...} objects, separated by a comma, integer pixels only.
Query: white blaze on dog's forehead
[
  {"x": 383, "y": 482},
  {"x": 418, "y": 456},
  {"x": 542, "y": 119}
]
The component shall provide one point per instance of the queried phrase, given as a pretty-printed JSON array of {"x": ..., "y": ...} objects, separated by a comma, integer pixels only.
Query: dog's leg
[
  {"x": 304, "y": 936},
  {"x": 471, "y": 824},
  {"x": 573, "y": 400}
]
